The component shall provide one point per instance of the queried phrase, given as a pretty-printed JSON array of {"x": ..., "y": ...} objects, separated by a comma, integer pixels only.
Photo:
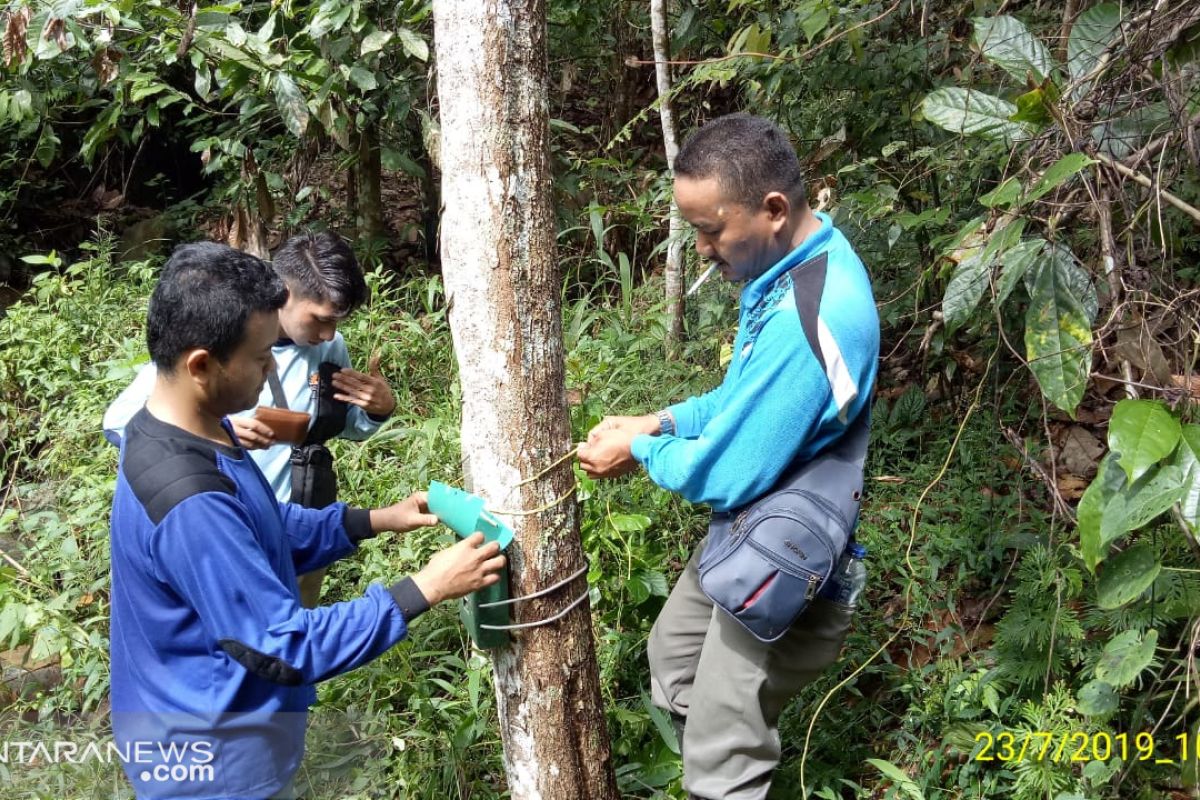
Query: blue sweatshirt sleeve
[
  {"x": 779, "y": 399},
  {"x": 694, "y": 413},
  {"x": 128, "y": 403},
  {"x": 206, "y": 550},
  {"x": 359, "y": 424},
  {"x": 320, "y": 537}
]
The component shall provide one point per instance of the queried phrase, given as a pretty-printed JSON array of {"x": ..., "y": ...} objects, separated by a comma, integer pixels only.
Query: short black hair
[
  {"x": 204, "y": 297},
  {"x": 749, "y": 156},
  {"x": 322, "y": 267}
]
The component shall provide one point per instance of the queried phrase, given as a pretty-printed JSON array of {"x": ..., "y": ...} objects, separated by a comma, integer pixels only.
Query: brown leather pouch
[{"x": 288, "y": 426}]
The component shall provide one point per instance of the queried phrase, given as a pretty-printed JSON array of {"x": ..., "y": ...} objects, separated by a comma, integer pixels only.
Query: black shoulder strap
[
  {"x": 808, "y": 284},
  {"x": 276, "y": 389}
]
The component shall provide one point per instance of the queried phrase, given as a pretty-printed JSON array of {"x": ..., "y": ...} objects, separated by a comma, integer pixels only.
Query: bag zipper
[{"x": 738, "y": 521}]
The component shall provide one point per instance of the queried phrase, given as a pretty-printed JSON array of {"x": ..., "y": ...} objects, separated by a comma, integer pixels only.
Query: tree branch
[{"x": 1142, "y": 180}]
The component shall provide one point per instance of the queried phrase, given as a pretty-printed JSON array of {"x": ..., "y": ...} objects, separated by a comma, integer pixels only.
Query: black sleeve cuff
[
  {"x": 409, "y": 598},
  {"x": 357, "y": 523}
]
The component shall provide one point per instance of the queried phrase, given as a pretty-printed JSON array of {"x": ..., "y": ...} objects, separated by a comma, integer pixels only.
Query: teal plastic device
[{"x": 464, "y": 514}]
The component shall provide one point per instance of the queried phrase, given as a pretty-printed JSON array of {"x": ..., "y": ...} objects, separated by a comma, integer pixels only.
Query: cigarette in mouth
[{"x": 700, "y": 281}]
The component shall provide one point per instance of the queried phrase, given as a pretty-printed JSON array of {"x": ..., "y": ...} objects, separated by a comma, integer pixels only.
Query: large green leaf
[
  {"x": 898, "y": 777},
  {"x": 413, "y": 44},
  {"x": 1003, "y": 239},
  {"x": 375, "y": 41},
  {"x": 1076, "y": 281},
  {"x": 1005, "y": 194},
  {"x": 1090, "y": 35},
  {"x": 1144, "y": 432},
  {"x": 1059, "y": 172},
  {"x": 966, "y": 288},
  {"x": 1125, "y": 656},
  {"x": 1127, "y": 575},
  {"x": 291, "y": 104},
  {"x": 967, "y": 111},
  {"x": 971, "y": 278},
  {"x": 1111, "y": 507},
  {"x": 47, "y": 146},
  {"x": 1014, "y": 265},
  {"x": 1097, "y": 699},
  {"x": 973, "y": 273},
  {"x": 363, "y": 78},
  {"x": 1035, "y": 107},
  {"x": 1125, "y": 130},
  {"x": 1058, "y": 338},
  {"x": 1187, "y": 458},
  {"x": 1007, "y": 43}
]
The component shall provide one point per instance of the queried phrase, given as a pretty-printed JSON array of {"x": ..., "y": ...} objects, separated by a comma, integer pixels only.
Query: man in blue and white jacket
[{"x": 739, "y": 184}]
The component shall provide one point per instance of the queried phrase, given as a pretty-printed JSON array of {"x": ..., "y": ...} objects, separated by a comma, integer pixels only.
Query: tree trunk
[
  {"x": 676, "y": 301},
  {"x": 369, "y": 185},
  {"x": 503, "y": 286}
]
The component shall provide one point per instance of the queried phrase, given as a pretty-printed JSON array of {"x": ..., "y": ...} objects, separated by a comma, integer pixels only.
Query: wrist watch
[{"x": 666, "y": 423}]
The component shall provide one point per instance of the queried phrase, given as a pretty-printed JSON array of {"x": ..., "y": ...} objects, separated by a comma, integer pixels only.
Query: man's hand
[
  {"x": 608, "y": 453},
  {"x": 460, "y": 569},
  {"x": 253, "y": 434},
  {"x": 370, "y": 391},
  {"x": 409, "y": 514},
  {"x": 647, "y": 423}
]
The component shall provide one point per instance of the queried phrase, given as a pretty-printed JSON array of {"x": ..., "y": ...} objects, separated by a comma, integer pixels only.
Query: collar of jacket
[{"x": 758, "y": 288}]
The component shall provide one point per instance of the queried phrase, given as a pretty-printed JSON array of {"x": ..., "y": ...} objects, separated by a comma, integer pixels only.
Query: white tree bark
[
  {"x": 503, "y": 286},
  {"x": 676, "y": 302}
]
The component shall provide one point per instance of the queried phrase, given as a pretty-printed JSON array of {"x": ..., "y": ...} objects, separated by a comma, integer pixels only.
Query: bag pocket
[
  {"x": 314, "y": 482},
  {"x": 763, "y": 567}
]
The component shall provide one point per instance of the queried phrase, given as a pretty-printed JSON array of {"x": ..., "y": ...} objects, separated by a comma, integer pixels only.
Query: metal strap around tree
[{"x": 547, "y": 590}]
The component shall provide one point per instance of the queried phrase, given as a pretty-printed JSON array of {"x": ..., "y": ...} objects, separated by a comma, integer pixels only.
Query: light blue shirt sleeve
[
  {"x": 359, "y": 425},
  {"x": 128, "y": 403}
]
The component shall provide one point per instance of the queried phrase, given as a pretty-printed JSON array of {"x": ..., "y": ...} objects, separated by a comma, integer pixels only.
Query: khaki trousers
[
  {"x": 310, "y": 587},
  {"x": 728, "y": 689}
]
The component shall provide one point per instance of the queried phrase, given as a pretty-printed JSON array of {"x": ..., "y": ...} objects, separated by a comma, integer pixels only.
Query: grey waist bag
[{"x": 764, "y": 563}]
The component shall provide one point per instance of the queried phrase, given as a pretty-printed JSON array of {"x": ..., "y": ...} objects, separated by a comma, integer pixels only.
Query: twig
[
  {"x": 1040, "y": 471},
  {"x": 1142, "y": 180},
  {"x": 189, "y": 32},
  {"x": 14, "y": 563},
  {"x": 1152, "y": 148}
]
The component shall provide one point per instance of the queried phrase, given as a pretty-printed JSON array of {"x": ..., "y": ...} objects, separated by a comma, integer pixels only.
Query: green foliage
[
  {"x": 1007, "y": 43},
  {"x": 238, "y": 85},
  {"x": 967, "y": 111},
  {"x": 1143, "y": 433},
  {"x": 1014, "y": 621},
  {"x": 1090, "y": 36},
  {"x": 1058, "y": 332}
]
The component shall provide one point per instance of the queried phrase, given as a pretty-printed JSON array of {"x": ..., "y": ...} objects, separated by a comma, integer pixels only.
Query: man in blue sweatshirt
[
  {"x": 214, "y": 660},
  {"x": 739, "y": 184},
  {"x": 325, "y": 285}
]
